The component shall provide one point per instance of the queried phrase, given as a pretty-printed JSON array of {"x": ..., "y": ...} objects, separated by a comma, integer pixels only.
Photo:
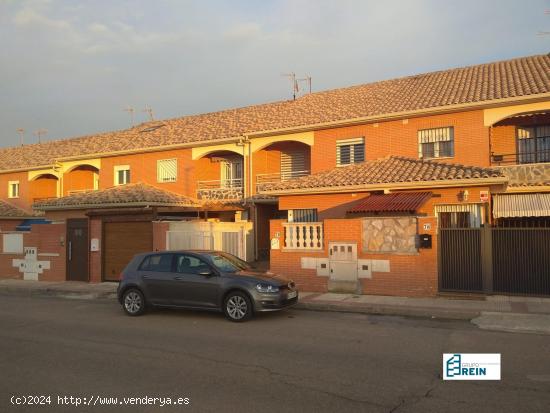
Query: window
[
  {"x": 158, "y": 263},
  {"x": 188, "y": 264},
  {"x": 294, "y": 163},
  {"x": 13, "y": 189},
  {"x": 167, "y": 170},
  {"x": 350, "y": 151},
  {"x": 436, "y": 143},
  {"x": 534, "y": 144},
  {"x": 231, "y": 173},
  {"x": 302, "y": 215},
  {"x": 122, "y": 175},
  {"x": 460, "y": 215}
]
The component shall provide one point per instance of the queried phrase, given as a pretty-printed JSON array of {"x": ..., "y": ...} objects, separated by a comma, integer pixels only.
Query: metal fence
[{"x": 495, "y": 260}]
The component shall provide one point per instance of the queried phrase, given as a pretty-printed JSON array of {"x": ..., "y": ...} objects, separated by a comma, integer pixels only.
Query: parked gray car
[{"x": 208, "y": 280}]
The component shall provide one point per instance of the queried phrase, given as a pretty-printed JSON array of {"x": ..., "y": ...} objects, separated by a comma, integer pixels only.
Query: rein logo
[{"x": 468, "y": 366}]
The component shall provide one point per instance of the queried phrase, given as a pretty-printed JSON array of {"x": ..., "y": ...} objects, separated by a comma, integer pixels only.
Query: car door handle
[
  {"x": 146, "y": 277},
  {"x": 179, "y": 278}
]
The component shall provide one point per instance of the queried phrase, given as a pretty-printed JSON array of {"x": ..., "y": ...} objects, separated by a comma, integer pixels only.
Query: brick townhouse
[{"x": 409, "y": 186}]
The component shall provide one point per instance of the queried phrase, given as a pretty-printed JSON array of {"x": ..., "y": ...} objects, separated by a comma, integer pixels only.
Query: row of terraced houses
[{"x": 429, "y": 184}]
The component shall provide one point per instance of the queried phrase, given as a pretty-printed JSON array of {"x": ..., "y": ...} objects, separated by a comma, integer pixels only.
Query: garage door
[{"x": 122, "y": 241}]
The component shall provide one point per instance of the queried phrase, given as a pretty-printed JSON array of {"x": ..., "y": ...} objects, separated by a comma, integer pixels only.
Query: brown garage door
[{"x": 122, "y": 241}]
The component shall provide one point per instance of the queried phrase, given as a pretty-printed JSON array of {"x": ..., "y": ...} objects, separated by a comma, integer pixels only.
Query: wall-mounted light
[{"x": 463, "y": 195}]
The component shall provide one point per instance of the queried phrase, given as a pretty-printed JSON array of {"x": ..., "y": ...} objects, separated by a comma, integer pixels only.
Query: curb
[
  {"x": 388, "y": 310},
  {"x": 51, "y": 292}
]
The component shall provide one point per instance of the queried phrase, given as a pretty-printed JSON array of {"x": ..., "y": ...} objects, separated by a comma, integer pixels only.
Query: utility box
[{"x": 424, "y": 241}]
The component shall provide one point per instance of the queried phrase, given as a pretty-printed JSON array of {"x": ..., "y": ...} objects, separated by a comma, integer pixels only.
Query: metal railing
[
  {"x": 520, "y": 158},
  {"x": 265, "y": 180},
  {"x": 303, "y": 236},
  {"x": 80, "y": 191}
]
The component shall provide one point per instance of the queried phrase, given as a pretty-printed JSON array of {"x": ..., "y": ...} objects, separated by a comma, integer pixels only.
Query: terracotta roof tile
[
  {"x": 8, "y": 210},
  {"x": 391, "y": 170},
  {"x": 395, "y": 202},
  {"x": 138, "y": 194},
  {"x": 504, "y": 79}
]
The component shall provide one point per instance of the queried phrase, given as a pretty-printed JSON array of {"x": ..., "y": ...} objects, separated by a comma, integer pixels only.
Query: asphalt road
[{"x": 292, "y": 361}]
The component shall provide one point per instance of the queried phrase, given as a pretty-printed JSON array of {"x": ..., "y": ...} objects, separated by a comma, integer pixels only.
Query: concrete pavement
[{"x": 504, "y": 313}]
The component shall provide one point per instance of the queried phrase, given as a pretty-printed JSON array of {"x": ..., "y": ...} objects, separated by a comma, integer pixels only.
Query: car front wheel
[
  {"x": 133, "y": 302},
  {"x": 237, "y": 307}
]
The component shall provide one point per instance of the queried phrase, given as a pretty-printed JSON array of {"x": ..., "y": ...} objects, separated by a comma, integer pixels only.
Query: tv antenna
[
  {"x": 544, "y": 33},
  {"x": 39, "y": 133},
  {"x": 306, "y": 79},
  {"x": 149, "y": 111},
  {"x": 21, "y": 132},
  {"x": 131, "y": 111},
  {"x": 292, "y": 77}
]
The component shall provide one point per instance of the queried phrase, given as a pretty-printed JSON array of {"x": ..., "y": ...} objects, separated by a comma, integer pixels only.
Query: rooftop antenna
[
  {"x": 131, "y": 111},
  {"x": 292, "y": 77},
  {"x": 149, "y": 111},
  {"x": 39, "y": 133},
  {"x": 306, "y": 79},
  {"x": 543, "y": 33},
  {"x": 21, "y": 132}
]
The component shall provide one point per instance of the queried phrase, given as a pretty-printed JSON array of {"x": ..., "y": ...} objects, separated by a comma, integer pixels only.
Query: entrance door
[
  {"x": 343, "y": 267},
  {"x": 77, "y": 250}
]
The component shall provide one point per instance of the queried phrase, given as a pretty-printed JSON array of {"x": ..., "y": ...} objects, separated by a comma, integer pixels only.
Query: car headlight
[{"x": 266, "y": 288}]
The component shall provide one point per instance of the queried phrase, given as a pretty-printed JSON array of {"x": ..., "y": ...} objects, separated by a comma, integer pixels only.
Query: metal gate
[
  {"x": 521, "y": 260},
  {"x": 460, "y": 266},
  {"x": 495, "y": 260}
]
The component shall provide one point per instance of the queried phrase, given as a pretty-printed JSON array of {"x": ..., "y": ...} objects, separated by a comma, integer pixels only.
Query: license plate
[{"x": 291, "y": 295}]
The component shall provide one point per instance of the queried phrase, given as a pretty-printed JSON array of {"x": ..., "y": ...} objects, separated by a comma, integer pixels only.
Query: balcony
[
  {"x": 520, "y": 158},
  {"x": 220, "y": 190},
  {"x": 263, "y": 181},
  {"x": 304, "y": 236}
]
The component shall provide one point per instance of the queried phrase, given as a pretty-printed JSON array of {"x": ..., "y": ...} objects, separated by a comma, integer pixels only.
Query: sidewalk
[{"x": 503, "y": 313}]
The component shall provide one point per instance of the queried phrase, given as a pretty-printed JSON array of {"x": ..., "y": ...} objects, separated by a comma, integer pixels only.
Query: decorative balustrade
[
  {"x": 220, "y": 190},
  {"x": 80, "y": 191},
  {"x": 303, "y": 235}
]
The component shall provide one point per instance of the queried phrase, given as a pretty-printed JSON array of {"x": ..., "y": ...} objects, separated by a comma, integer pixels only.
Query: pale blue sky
[{"x": 72, "y": 66}]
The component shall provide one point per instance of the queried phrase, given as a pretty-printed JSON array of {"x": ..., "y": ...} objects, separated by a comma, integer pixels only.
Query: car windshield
[{"x": 227, "y": 263}]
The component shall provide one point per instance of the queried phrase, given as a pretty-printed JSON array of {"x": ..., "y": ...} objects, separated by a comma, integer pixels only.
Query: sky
[{"x": 71, "y": 67}]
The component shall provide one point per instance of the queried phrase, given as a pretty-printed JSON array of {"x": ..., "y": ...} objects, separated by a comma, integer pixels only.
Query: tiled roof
[
  {"x": 396, "y": 202},
  {"x": 119, "y": 196},
  {"x": 8, "y": 210},
  {"x": 390, "y": 170},
  {"x": 481, "y": 83}
]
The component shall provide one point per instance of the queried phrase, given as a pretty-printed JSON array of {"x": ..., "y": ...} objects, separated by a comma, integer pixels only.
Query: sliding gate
[{"x": 495, "y": 260}]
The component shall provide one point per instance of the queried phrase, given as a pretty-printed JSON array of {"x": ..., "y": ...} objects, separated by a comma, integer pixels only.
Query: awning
[
  {"x": 521, "y": 205},
  {"x": 27, "y": 223},
  {"x": 396, "y": 202}
]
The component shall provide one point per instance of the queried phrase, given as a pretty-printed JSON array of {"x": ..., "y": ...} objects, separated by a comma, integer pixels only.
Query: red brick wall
[
  {"x": 95, "y": 229},
  {"x": 503, "y": 140},
  {"x": 48, "y": 239},
  {"x": 328, "y": 206},
  {"x": 43, "y": 187},
  {"x": 471, "y": 139},
  {"x": 410, "y": 274},
  {"x": 159, "y": 235},
  {"x": 24, "y": 200},
  {"x": 79, "y": 179}
]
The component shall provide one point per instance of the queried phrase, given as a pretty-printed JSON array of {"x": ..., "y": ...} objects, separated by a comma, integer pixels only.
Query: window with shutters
[
  {"x": 350, "y": 151},
  {"x": 13, "y": 189},
  {"x": 436, "y": 143},
  {"x": 122, "y": 174},
  {"x": 294, "y": 163},
  {"x": 167, "y": 170}
]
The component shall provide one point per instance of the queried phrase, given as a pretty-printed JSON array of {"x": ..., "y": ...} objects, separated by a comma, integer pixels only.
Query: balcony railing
[
  {"x": 263, "y": 181},
  {"x": 220, "y": 189},
  {"x": 520, "y": 158},
  {"x": 80, "y": 191},
  {"x": 303, "y": 236}
]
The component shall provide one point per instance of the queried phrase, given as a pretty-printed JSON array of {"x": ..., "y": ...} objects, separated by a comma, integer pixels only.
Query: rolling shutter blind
[
  {"x": 167, "y": 170},
  {"x": 350, "y": 151},
  {"x": 437, "y": 142},
  {"x": 293, "y": 164}
]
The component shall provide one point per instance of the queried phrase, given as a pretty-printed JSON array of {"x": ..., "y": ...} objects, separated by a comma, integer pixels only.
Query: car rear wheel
[
  {"x": 237, "y": 307},
  {"x": 133, "y": 302}
]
